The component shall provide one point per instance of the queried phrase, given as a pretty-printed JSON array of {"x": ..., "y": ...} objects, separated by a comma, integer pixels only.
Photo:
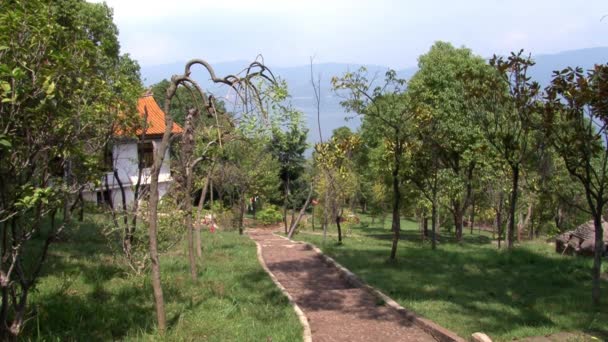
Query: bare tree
[{"x": 249, "y": 95}]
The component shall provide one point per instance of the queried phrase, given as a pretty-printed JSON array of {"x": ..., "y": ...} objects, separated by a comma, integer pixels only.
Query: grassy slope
[
  {"x": 85, "y": 295},
  {"x": 473, "y": 286}
]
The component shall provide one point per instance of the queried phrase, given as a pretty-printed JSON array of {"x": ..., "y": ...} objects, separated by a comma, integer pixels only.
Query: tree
[
  {"x": 336, "y": 181},
  {"x": 386, "y": 108},
  {"x": 437, "y": 92},
  {"x": 288, "y": 145},
  {"x": 249, "y": 95},
  {"x": 508, "y": 111},
  {"x": 248, "y": 172},
  {"x": 576, "y": 120},
  {"x": 64, "y": 86}
]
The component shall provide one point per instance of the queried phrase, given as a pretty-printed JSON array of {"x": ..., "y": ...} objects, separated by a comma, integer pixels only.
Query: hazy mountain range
[{"x": 332, "y": 114}]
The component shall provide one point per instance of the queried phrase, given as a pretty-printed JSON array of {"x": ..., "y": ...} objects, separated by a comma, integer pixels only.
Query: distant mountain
[
  {"x": 332, "y": 114},
  {"x": 584, "y": 58}
]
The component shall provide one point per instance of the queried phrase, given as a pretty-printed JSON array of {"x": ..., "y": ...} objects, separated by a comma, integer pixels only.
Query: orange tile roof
[{"x": 156, "y": 116}]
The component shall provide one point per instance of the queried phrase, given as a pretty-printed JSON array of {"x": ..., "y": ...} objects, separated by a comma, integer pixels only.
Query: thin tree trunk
[
  {"x": 191, "y": 253},
  {"x": 434, "y": 221},
  {"x": 458, "y": 214},
  {"x": 313, "y": 218},
  {"x": 199, "y": 213},
  {"x": 513, "y": 205},
  {"x": 302, "y": 211},
  {"x": 187, "y": 165},
  {"x": 499, "y": 218},
  {"x": 472, "y": 220},
  {"x": 425, "y": 225},
  {"x": 211, "y": 195},
  {"x": 338, "y": 218},
  {"x": 242, "y": 207},
  {"x": 396, "y": 225},
  {"x": 293, "y": 214},
  {"x": 325, "y": 214},
  {"x": 597, "y": 256},
  {"x": 285, "y": 197}
]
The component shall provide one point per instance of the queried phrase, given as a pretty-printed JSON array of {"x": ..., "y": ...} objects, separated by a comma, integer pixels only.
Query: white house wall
[{"x": 125, "y": 162}]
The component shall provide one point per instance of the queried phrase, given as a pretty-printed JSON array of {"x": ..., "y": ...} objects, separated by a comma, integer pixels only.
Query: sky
[{"x": 384, "y": 32}]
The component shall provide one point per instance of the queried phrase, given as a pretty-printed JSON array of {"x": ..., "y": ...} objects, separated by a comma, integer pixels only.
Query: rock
[
  {"x": 581, "y": 240},
  {"x": 480, "y": 337}
]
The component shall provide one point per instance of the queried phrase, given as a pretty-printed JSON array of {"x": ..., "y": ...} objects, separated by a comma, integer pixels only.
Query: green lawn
[
  {"x": 472, "y": 286},
  {"x": 85, "y": 295}
]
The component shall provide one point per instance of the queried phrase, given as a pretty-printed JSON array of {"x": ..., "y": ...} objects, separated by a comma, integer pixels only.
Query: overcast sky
[{"x": 386, "y": 32}]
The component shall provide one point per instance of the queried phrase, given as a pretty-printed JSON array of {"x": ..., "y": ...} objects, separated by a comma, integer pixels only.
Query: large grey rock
[{"x": 581, "y": 240}]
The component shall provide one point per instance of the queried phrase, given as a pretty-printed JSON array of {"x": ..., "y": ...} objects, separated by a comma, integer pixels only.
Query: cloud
[{"x": 387, "y": 32}]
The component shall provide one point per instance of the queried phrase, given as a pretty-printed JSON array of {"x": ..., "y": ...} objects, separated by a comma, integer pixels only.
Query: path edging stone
[
  {"x": 438, "y": 332},
  {"x": 306, "y": 333}
]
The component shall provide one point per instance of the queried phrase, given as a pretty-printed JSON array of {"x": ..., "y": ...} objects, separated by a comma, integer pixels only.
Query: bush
[{"x": 269, "y": 215}]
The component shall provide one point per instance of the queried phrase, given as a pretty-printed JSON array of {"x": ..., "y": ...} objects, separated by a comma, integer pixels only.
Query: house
[{"x": 130, "y": 159}]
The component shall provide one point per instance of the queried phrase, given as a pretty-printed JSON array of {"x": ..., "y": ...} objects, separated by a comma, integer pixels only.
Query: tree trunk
[
  {"x": 242, "y": 207},
  {"x": 313, "y": 219},
  {"x": 285, "y": 197},
  {"x": 153, "y": 232},
  {"x": 425, "y": 225},
  {"x": 338, "y": 217},
  {"x": 211, "y": 196},
  {"x": 597, "y": 256},
  {"x": 499, "y": 218},
  {"x": 472, "y": 219},
  {"x": 513, "y": 205},
  {"x": 434, "y": 221},
  {"x": 457, "y": 213},
  {"x": 293, "y": 214},
  {"x": 201, "y": 202},
  {"x": 396, "y": 226},
  {"x": 191, "y": 253},
  {"x": 302, "y": 211},
  {"x": 325, "y": 219}
]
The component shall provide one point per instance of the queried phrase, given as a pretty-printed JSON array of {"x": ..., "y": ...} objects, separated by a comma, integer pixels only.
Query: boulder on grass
[{"x": 580, "y": 241}]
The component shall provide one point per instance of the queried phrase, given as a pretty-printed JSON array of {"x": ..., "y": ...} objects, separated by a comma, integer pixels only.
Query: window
[
  {"x": 108, "y": 159},
  {"x": 104, "y": 198},
  {"x": 145, "y": 154}
]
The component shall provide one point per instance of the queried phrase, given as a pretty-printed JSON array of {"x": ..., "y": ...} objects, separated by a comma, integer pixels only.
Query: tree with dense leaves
[
  {"x": 386, "y": 108},
  {"x": 63, "y": 88},
  {"x": 437, "y": 92},
  {"x": 508, "y": 111},
  {"x": 576, "y": 120}
]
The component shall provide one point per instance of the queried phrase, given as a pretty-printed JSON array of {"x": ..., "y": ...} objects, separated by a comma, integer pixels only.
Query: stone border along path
[{"x": 332, "y": 303}]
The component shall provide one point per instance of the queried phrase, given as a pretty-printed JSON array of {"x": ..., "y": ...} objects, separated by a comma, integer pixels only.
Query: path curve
[{"x": 336, "y": 310}]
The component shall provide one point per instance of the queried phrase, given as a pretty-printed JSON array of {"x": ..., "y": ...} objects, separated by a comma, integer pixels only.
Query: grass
[
  {"x": 473, "y": 286},
  {"x": 86, "y": 295}
]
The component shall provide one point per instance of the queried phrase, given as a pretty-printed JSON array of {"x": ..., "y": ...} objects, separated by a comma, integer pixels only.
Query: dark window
[
  {"x": 104, "y": 197},
  {"x": 145, "y": 153},
  {"x": 108, "y": 159}
]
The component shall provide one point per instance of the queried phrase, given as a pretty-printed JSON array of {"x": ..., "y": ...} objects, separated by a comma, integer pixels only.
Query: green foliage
[
  {"x": 64, "y": 91},
  {"x": 270, "y": 214}
]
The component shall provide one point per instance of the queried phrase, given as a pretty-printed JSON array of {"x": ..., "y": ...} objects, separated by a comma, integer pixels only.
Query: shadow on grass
[
  {"x": 84, "y": 294},
  {"x": 473, "y": 286}
]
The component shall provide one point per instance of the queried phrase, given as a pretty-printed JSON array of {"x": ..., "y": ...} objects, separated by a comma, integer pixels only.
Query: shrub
[{"x": 269, "y": 215}]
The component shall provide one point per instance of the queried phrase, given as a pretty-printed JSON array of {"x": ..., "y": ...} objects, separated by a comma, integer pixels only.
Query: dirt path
[{"x": 336, "y": 310}]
